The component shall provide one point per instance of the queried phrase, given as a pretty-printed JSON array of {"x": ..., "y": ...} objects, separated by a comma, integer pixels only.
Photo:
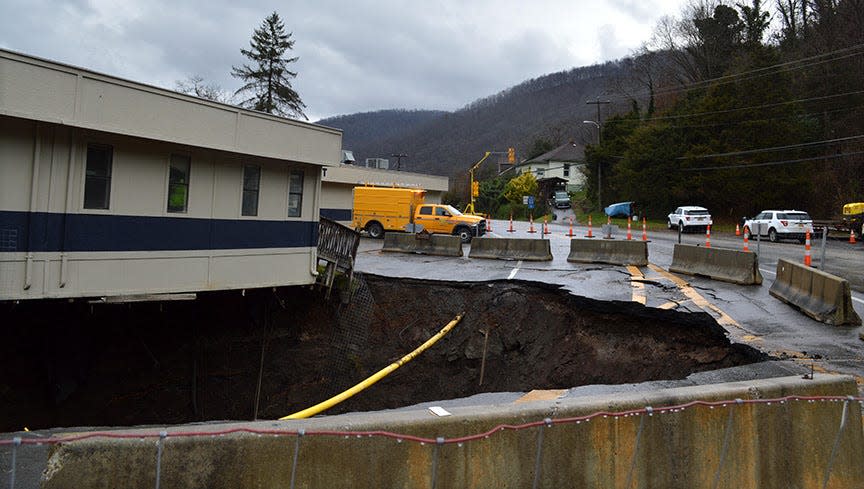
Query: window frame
[
  {"x": 188, "y": 158},
  {"x": 291, "y": 173},
  {"x": 243, "y": 190},
  {"x": 108, "y": 180}
]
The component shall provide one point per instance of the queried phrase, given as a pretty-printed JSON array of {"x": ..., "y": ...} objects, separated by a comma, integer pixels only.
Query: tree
[
  {"x": 269, "y": 79},
  {"x": 194, "y": 85},
  {"x": 516, "y": 188}
]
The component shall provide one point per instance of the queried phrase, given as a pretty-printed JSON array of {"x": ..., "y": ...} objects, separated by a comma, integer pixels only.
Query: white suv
[
  {"x": 689, "y": 217},
  {"x": 788, "y": 224}
]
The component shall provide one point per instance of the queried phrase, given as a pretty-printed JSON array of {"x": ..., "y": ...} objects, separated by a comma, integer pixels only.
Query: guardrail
[
  {"x": 738, "y": 267},
  {"x": 613, "y": 252},
  {"x": 820, "y": 295},
  {"x": 511, "y": 249}
]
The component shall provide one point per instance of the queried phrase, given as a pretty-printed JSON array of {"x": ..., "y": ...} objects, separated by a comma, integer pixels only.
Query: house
[
  {"x": 109, "y": 187},
  {"x": 565, "y": 162}
]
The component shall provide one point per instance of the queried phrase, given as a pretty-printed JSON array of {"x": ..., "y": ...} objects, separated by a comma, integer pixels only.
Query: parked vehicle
[
  {"x": 689, "y": 218},
  {"x": 777, "y": 225},
  {"x": 852, "y": 221},
  {"x": 380, "y": 209},
  {"x": 561, "y": 200}
]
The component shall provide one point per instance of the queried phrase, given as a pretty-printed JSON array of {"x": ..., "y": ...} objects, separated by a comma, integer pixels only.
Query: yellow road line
[
  {"x": 668, "y": 305},
  {"x": 685, "y": 288},
  {"x": 638, "y": 287}
]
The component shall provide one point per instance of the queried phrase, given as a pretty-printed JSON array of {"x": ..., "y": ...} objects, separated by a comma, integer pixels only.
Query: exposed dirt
[{"x": 78, "y": 364}]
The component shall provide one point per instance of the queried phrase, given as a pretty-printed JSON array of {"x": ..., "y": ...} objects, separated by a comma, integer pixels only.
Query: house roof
[{"x": 566, "y": 152}]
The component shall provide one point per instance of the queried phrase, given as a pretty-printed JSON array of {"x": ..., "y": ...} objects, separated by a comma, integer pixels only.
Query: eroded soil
[{"x": 79, "y": 364}]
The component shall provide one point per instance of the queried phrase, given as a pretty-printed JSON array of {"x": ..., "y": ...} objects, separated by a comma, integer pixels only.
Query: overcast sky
[{"x": 355, "y": 55}]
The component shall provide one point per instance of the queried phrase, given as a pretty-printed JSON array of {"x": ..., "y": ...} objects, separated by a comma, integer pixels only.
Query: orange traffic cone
[
  {"x": 807, "y": 249},
  {"x": 746, "y": 241},
  {"x": 708, "y": 236},
  {"x": 589, "y": 235},
  {"x": 851, "y": 236},
  {"x": 629, "y": 234},
  {"x": 644, "y": 230},
  {"x": 511, "y": 224},
  {"x": 737, "y": 230},
  {"x": 531, "y": 227},
  {"x": 545, "y": 229},
  {"x": 570, "y": 234}
]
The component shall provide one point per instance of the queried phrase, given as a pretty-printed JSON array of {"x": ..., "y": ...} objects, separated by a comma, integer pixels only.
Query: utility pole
[
  {"x": 399, "y": 157},
  {"x": 599, "y": 124}
]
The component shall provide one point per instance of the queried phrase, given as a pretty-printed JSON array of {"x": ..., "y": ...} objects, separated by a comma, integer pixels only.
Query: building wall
[
  {"x": 542, "y": 169},
  {"x": 338, "y": 185},
  {"x": 49, "y": 241}
]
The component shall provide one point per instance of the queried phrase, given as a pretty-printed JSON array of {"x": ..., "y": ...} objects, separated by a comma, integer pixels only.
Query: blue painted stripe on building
[
  {"x": 52, "y": 232},
  {"x": 337, "y": 214}
]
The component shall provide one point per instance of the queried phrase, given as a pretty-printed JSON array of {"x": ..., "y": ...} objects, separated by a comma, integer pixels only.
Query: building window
[
  {"x": 97, "y": 182},
  {"x": 251, "y": 185},
  {"x": 566, "y": 170},
  {"x": 295, "y": 193},
  {"x": 178, "y": 183}
]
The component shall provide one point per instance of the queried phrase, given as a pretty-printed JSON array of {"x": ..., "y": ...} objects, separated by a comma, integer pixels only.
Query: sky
[{"x": 354, "y": 55}]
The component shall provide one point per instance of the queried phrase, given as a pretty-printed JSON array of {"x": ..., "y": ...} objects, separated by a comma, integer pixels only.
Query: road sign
[{"x": 530, "y": 201}]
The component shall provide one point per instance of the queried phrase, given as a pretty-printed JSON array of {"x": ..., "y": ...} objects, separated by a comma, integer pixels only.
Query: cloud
[{"x": 355, "y": 56}]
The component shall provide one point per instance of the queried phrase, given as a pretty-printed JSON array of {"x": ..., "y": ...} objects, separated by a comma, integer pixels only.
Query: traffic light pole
[{"x": 511, "y": 156}]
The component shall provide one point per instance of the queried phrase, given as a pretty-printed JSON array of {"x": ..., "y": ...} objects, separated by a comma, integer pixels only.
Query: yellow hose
[{"x": 375, "y": 377}]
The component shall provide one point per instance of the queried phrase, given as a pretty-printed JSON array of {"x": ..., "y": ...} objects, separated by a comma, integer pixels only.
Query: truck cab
[{"x": 446, "y": 219}]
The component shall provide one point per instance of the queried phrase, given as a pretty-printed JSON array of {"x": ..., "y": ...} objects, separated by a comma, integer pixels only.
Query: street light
[{"x": 599, "y": 172}]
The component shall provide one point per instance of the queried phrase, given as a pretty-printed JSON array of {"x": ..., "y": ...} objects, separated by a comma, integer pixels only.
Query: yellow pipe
[{"x": 375, "y": 377}]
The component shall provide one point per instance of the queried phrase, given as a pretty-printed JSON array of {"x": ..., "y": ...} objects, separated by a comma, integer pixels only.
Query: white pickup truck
[{"x": 689, "y": 218}]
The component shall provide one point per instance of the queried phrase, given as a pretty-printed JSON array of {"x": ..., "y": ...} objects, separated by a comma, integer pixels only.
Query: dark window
[
  {"x": 251, "y": 184},
  {"x": 295, "y": 193},
  {"x": 566, "y": 170},
  {"x": 178, "y": 183},
  {"x": 97, "y": 182},
  {"x": 426, "y": 211},
  {"x": 440, "y": 211}
]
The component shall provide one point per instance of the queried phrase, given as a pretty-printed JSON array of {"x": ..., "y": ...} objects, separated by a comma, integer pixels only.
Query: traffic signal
[
  {"x": 511, "y": 155},
  {"x": 475, "y": 189}
]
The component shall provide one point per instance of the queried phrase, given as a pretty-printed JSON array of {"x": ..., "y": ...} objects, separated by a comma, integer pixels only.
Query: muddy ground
[{"x": 81, "y": 364}]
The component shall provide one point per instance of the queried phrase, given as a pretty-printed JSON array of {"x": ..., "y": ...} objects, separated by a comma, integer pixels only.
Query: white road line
[
  {"x": 857, "y": 299},
  {"x": 513, "y": 272}
]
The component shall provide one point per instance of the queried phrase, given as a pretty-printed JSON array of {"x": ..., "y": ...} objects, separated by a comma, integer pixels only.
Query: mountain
[{"x": 448, "y": 143}]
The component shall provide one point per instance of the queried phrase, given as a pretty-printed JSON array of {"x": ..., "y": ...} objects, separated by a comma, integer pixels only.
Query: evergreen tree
[{"x": 269, "y": 79}]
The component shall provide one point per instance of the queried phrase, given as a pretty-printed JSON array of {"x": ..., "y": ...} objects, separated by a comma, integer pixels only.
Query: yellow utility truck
[{"x": 380, "y": 209}]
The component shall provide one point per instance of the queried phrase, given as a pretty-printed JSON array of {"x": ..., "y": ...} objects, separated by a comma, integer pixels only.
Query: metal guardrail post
[
  {"x": 758, "y": 239},
  {"x": 822, "y": 251}
]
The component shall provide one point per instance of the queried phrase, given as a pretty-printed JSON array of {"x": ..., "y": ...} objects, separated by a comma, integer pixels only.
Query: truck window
[
  {"x": 425, "y": 211},
  {"x": 440, "y": 211}
]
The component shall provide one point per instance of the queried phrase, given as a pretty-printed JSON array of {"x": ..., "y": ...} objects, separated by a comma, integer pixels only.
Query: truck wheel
[
  {"x": 772, "y": 235},
  {"x": 464, "y": 234},
  {"x": 375, "y": 230}
]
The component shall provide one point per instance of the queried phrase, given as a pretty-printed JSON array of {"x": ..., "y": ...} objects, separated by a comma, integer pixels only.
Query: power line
[
  {"x": 775, "y": 148},
  {"x": 765, "y": 119},
  {"x": 774, "y": 163}
]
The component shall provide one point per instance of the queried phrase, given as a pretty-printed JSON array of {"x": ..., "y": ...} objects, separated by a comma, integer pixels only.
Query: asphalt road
[{"x": 748, "y": 313}]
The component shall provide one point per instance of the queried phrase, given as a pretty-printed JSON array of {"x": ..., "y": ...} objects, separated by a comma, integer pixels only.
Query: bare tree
[{"x": 194, "y": 85}]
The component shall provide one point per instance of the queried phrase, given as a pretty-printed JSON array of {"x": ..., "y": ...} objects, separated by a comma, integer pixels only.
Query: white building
[
  {"x": 565, "y": 161},
  {"x": 110, "y": 187}
]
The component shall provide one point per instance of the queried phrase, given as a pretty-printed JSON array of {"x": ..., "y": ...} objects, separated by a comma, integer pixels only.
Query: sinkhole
[{"x": 270, "y": 352}]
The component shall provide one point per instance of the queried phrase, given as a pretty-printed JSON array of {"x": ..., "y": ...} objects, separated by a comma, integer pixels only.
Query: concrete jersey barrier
[
  {"x": 429, "y": 244},
  {"x": 511, "y": 249},
  {"x": 738, "y": 267},
  {"x": 772, "y": 446},
  {"x": 614, "y": 252},
  {"x": 822, "y": 296}
]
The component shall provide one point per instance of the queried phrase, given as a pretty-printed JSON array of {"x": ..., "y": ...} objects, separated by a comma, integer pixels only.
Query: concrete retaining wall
[
  {"x": 615, "y": 252},
  {"x": 769, "y": 446},
  {"x": 734, "y": 266},
  {"x": 434, "y": 244},
  {"x": 511, "y": 249},
  {"x": 822, "y": 296}
]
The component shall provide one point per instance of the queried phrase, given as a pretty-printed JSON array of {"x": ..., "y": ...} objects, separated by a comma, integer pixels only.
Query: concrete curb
[
  {"x": 737, "y": 267},
  {"x": 430, "y": 244},
  {"x": 511, "y": 249},
  {"x": 613, "y": 252},
  {"x": 822, "y": 296}
]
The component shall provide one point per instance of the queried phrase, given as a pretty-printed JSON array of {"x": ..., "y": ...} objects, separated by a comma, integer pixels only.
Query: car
[
  {"x": 779, "y": 224},
  {"x": 561, "y": 200},
  {"x": 689, "y": 218}
]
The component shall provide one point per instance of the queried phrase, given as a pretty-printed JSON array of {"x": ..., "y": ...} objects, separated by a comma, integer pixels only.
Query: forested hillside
[{"x": 550, "y": 107}]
